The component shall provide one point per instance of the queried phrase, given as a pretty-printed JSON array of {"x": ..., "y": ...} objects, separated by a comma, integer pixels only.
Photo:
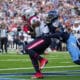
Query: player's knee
[
  {"x": 27, "y": 50},
  {"x": 77, "y": 62}
]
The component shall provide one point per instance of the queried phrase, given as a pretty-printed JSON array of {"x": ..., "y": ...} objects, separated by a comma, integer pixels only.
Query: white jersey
[
  {"x": 76, "y": 31},
  {"x": 27, "y": 38},
  {"x": 41, "y": 29},
  {"x": 3, "y": 33}
]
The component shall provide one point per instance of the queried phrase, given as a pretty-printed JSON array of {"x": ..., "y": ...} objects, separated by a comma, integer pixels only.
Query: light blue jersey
[{"x": 73, "y": 48}]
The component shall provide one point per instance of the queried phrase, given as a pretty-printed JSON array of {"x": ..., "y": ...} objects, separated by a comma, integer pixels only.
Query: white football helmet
[
  {"x": 34, "y": 20},
  {"x": 28, "y": 12}
]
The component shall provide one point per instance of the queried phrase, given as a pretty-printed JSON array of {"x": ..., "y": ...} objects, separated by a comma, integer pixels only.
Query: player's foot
[
  {"x": 37, "y": 75},
  {"x": 43, "y": 62}
]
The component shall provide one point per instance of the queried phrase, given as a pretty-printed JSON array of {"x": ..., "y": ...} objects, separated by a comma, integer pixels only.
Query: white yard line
[
  {"x": 49, "y": 58},
  {"x": 51, "y": 67},
  {"x": 28, "y": 60},
  {"x": 65, "y": 62},
  {"x": 13, "y": 79},
  {"x": 9, "y": 60}
]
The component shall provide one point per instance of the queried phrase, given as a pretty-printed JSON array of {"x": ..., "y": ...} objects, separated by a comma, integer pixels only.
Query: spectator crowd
[{"x": 11, "y": 16}]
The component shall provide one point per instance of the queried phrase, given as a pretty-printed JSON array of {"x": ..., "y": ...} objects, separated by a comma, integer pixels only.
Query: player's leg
[
  {"x": 34, "y": 58},
  {"x": 34, "y": 50},
  {"x": 5, "y": 44},
  {"x": 2, "y": 43},
  {"x": 37, "y": 47},
  {"x": 73, "y": 49}
]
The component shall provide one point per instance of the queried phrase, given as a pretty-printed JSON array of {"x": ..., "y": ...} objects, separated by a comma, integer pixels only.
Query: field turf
[{"x": 18, "y": 67}]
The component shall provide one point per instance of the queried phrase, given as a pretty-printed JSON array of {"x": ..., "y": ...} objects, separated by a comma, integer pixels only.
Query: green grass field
[{"x": 18, "y": 67}]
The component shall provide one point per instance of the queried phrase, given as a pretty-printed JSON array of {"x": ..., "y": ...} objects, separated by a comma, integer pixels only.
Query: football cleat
[
  {"x": 43, "y": 62},
  {"x": 37, "y": 75}
]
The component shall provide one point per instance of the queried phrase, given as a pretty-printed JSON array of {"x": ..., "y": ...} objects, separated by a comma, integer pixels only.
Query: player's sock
[{"x": 35, "y": 63}]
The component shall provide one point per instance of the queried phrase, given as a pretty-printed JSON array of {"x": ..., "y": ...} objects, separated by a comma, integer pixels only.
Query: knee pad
[{"x": 77, "y": 62}]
